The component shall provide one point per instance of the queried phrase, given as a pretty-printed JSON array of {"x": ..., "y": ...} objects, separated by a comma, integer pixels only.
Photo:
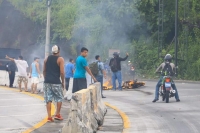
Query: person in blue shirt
[
  {"x": 101, "y": 73},
  {"x": 35, "y": 74},
  {"x": 69, "y": 72},
  {"x": 80, "y": 81}
]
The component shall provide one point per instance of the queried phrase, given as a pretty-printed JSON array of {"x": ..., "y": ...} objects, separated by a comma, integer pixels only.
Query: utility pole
[
  {"x": 176, "y": 33},
  {"x": 160, "y": 27},
  {"x": 48, "y": 28}
]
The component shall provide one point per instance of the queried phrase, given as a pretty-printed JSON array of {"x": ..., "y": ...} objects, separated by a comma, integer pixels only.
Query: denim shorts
[{"x": 53, "y": 92}]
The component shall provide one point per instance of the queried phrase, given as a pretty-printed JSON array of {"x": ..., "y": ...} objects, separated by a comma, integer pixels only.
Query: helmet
[{"x": 168, "y": 58}]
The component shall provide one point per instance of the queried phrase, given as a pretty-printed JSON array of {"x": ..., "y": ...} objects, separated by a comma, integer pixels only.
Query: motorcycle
[{"x": 166, "y": 90}]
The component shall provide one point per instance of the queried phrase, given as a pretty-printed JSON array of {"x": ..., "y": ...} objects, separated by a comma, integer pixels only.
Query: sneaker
[
  {"x": 50, "y": 119},
  {"x": 103, "y": 97},
  {"x": 178, "y": 100},
  {"x": 58, "y": 117},
  {"x": 155, "y": 100}
]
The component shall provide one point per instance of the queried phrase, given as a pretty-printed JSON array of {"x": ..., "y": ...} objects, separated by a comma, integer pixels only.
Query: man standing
[
  {"x": 101, "y": 73},
  {"x": 22, "y": 67},
  {"x": 115, "y": 65},
  {"x": 80, "y": 81},
  {"x": 69, "y": 74},
  {"x": 52, "y": 71},
  {"x": 11, "y": 71},
  {"x": 34, "y": 74}
]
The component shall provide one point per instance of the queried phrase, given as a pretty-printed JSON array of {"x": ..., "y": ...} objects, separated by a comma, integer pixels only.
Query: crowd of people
[{"x": 72, "y": 75}]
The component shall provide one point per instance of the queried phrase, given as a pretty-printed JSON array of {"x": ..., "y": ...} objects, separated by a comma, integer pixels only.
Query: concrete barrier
[
  {"x": 87, "y": 111},
  {"x": 4, "y": 80}
]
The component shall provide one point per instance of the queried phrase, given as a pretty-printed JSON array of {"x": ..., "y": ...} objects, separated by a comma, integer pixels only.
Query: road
[
  {"x": 18, "y": 111},
  {"x": 159, "y": 117}
]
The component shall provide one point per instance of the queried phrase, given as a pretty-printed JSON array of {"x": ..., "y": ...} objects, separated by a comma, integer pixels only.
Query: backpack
[
  {"x": 113, "y": 65},
  {"x": 167, "y": 70},
  {"x": 94, "y": 68}
]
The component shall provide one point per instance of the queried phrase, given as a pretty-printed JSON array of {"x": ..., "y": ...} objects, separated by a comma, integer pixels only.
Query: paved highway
[
  {"x": 18, "y": 111},
  {"x": 159, "y": 117}
]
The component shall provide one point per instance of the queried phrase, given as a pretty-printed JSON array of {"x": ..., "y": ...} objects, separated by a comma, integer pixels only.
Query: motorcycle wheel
[{"x": 167, "y": 96}]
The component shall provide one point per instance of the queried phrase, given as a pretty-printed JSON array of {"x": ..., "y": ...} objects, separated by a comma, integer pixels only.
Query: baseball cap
[
  {"x": 55, "y": 49},
  {"x": 35, "y": 58}
]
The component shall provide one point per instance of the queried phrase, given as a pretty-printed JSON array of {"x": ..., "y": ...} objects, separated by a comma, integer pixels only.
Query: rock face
[{"x": 87, "y": 111}]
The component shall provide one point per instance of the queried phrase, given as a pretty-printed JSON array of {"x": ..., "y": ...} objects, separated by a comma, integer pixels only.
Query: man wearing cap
[
  {"x": 22, "y": 67},
  {"x": 35, "y": 74},
  {"x": 53, "y": 88},
  {"x": 115, "y": 65}
]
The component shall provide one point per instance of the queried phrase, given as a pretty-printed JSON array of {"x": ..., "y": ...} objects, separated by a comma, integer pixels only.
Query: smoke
[{"x": 106, "y": 24}]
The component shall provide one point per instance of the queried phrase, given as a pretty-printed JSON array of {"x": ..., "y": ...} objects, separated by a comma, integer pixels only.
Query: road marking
[
  {"x": 41, "y": 123},
  {"x": 125, "y": 118}
]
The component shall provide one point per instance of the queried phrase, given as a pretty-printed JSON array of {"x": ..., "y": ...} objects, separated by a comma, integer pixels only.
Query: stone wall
[{"x": 87, "y": 111}]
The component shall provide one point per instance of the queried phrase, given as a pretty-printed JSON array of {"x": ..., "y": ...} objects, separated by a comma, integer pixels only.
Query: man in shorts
[
  {"x": 34, "y": 74},
  {"x": 22, "y": 67},
  {"x": 53, "y": 88},
  {"x": 80, "y": 81}
]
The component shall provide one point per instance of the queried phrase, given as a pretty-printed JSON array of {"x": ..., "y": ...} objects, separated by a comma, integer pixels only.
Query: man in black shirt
[
  {"x": 11, "y": 71},
  {"x": 53, "y": 88},
  {"x": 115, "y": 65}
]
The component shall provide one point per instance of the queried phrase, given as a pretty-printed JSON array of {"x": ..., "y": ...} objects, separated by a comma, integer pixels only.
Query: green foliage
[{"x": 128, "y": 25}]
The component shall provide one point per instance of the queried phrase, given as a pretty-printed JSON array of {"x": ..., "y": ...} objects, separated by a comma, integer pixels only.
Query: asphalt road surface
[
  {"x": 18, "y": 111},
  {"x": 159, "y": 117}
]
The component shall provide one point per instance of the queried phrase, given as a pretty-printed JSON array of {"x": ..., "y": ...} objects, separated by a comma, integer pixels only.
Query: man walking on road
[
  {"x": 101, "y": 73},
  {"x": 22, "y": 67},
  {"x": 11, "y": 71},
  {"x": 115, "y": 65},
  {"x": 53, "y": 87},
  {"x": 34, "y": 74},
  {"x": 80, "y": 81},
  {"x": 69, "y": 74}
]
